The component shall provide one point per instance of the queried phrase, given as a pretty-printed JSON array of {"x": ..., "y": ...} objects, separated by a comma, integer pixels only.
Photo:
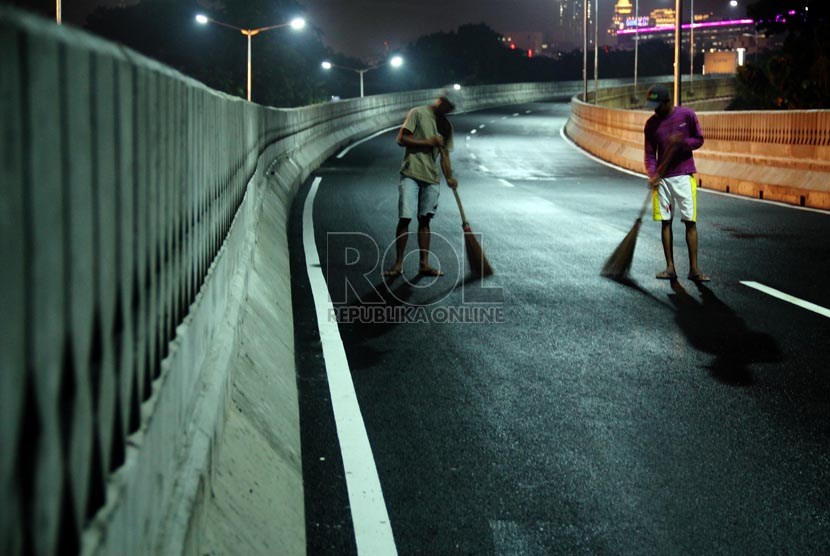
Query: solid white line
[
  {"x": 789, "y": 298},
  {"x": 483, "y": 168},
  {"x": 372, "y": 530},
  {"x": 710, "y": 191},
  {"x": 345, "y": 151},
  {"x": 506, "y": 183}
]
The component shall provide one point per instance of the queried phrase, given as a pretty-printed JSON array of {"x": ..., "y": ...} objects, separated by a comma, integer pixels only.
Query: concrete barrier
[
  {"x": 781, "y": 156},
  {"x": 146, "y": 332}
]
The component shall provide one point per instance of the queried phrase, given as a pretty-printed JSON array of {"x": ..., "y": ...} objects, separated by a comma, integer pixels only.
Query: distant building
[
  {"x": 567, "y": 24},
  {"x": 623, "y": 14},
  {"x": 710, "y": 35}
]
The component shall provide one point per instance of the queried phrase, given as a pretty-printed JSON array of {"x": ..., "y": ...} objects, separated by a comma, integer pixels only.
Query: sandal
[
  {"x": 699, "y": 277},
  {"x": 666, "y": 275}
]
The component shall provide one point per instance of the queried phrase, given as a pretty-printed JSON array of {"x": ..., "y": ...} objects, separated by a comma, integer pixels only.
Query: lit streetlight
[
  {"x": 395, "y": 62},
  {"x": 296, "y": 24}
]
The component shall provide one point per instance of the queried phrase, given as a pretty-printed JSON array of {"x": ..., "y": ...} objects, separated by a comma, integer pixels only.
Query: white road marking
[
  {"x": 789, "y": 298},
  {"x": 473, "y": 156},
  {"x": 710, "y": 191},
  {"x": 506, "y": 183},
  {"x": 467, "y": 138},
  {"x": 372, "y": 530},
  {"x": 483, "y": 168},
  {"x": 345, "y": 151},
  {"x": 528, "y": 111},
  {"x": 481, "y": 126},
  {"x": 473, "y": 130},
  {"x": 516, "y": 114}
]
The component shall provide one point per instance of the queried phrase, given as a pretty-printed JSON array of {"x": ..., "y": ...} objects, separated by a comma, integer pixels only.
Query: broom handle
[
  {"x": 460, "y": 208},
  {"x": 446, "y": 158}
]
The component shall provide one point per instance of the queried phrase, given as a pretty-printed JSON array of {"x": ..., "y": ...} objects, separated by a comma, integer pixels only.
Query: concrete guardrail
[
  {"x": 781, "y": 156},
  {"x": 147, "y": 323}
]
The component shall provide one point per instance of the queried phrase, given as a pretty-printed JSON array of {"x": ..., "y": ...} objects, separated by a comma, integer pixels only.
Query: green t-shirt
[{"x": 421, "y": 163}]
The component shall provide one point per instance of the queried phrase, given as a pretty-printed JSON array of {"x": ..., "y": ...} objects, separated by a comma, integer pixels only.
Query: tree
[{"x": 799, "y": 76}]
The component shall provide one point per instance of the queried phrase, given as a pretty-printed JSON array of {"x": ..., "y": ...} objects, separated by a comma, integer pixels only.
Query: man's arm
[
  {"x": 650, "y": 158},
  {"x": 446, "y": 166},
  {"x": 695, "y": 139},
  {"x": 407, "y": 139}
]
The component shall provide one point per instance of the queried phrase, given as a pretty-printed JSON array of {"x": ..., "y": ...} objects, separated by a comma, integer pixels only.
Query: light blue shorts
[{"x": 417, "y": 197}]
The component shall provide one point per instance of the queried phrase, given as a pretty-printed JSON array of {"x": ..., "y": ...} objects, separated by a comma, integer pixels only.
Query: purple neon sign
[{"x": 704, "y": 25}]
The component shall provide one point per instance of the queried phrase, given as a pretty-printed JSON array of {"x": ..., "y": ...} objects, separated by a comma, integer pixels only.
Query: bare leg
[
  {"x": 423, "y": 244},
  {"x": 401, "y": 237},
  {"x": 691, "y": 242},
  {"x": 668, "y": 249}
]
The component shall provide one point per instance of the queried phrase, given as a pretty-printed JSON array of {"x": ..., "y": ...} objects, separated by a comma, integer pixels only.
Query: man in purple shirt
[{"x": 671, "y": 135}]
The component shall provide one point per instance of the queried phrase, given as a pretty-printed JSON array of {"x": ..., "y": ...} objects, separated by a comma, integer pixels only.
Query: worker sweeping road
[
  {"x": 425, "y": 133},
  {"x": 671, "y": 135}
]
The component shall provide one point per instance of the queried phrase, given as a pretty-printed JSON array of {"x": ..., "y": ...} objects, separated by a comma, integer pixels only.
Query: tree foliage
[{"x": 797, "y": 77}]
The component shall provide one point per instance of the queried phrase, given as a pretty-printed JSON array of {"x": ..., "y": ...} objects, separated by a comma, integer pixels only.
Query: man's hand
[
  {"x": 436, "y": 141},
  {"x": 452, "y": 182},
  {"x": 675, "y": 139},
  {"x": 653, "y": 181}
]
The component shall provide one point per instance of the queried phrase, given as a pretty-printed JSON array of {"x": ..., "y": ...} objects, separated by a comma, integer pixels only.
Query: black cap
[{"x": 657, "y": 95}]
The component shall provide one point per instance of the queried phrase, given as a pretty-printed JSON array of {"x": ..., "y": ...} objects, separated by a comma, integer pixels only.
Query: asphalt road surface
[{"x": 565, "y": 413}]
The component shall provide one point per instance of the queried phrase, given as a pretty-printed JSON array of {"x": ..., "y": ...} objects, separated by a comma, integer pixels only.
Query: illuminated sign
[{"x": 631, "y": 22}]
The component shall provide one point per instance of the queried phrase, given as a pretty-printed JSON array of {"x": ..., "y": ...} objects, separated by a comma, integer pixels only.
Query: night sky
[{"x": 360, "y": 27}]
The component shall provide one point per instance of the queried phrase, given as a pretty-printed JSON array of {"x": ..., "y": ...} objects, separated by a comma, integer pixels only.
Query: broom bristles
[
  {"x": 619, "y": 262},
  {"x": 479, "y": 264}
]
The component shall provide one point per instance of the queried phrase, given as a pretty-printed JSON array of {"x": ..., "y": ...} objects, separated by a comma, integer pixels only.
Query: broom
[
  {"x": 479, "y": 264},
  {"x": 478, "y": 261},
  {"x": 618, "y": 264}
]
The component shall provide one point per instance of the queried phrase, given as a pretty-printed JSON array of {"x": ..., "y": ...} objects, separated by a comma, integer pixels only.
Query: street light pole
[
  {"x": 395, "y": 62},
  {"x": 692, "y": 50},
  {"x": 297, "y": 23},
  {"x": 596, "y": 51},
  {"x": 58, "y": 14},
  {"x": 636, "y": 44},
  {"x": 678, "y": 27},
  {"x": 585, "y": 50}
]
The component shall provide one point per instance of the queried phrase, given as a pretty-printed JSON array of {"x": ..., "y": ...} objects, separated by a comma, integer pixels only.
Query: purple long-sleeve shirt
[{"x": 659, "y": 130}]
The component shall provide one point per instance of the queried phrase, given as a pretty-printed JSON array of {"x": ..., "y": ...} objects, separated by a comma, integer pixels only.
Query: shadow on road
[
  {"x": 713, "y": 327},
  {"x": 389, "y": 304}
]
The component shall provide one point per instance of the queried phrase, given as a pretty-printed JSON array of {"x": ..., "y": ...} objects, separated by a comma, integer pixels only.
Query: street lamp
[
  {"x": 395, "y": 62},
  {"x": 297, "y": 23},
  {"x": 58, "y": 11}
]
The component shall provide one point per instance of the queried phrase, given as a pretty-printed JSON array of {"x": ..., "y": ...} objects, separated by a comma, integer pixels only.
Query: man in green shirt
[{"x": 426, "y": 133}]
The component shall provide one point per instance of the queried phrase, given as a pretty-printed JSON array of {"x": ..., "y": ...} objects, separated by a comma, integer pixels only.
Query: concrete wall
[
  {"x": 146, "y": 332},
  {"x": 782, "y": 156}
]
